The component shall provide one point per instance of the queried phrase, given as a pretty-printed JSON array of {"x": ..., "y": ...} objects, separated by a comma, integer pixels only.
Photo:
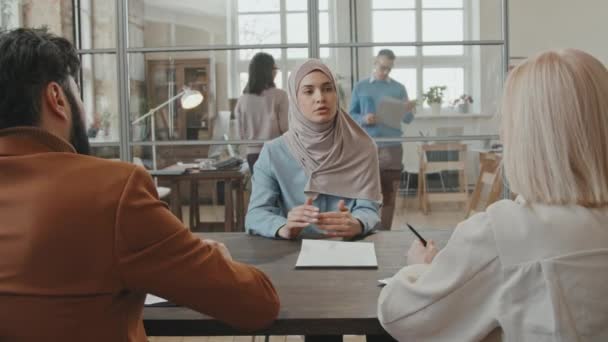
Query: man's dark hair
[
  {"x": 260, "y": 74},
  {"x": 29, "y": 60},
  {"x": 388, "y": 53}
]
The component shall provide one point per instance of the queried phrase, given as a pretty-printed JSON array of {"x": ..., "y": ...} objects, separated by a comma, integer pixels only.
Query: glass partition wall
[{"x": 138, "y": 55}]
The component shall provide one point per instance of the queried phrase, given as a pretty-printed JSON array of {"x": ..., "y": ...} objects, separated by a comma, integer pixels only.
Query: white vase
[
  {"x": 435, "y": 108},
  {"x": 463, "y": 108}
]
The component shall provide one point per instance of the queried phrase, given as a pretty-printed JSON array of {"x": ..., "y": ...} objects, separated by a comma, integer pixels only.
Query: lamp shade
[{"x": 191, "y": 98}]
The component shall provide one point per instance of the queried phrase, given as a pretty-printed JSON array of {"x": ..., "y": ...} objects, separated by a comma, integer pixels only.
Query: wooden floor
[{"x": 406, "y": 210}]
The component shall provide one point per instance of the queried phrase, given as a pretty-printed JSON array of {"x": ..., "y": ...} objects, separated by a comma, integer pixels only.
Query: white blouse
[{"x": 538, "y": 272}]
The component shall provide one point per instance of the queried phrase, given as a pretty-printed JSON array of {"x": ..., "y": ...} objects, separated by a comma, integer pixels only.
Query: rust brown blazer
[{"x": 82, "y": 240}]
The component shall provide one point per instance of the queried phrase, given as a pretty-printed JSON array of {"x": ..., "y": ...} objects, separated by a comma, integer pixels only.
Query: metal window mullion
[
  {"x": 76, "y": 19},
  {"x": 419, "y": 56},
  {"x": 354, "y": 37},
  {"x": 105, "y": 144},
  {"x": 480, "y": 137},
  {"x": 232, "y": 26},
  {"x": 273, "y": 12},
  {"x": 77, "y": 40},
  {"x": 259, "y": 13},
  {"x": 466, "y": 51},
  {"x": 313, "y": 29},
  {"x": 201, "y": 48},
  {"x": 283, "y": 29},
  {"x": 505, "y": 36},
  {"x": 506, "y": 193},
  {"x": 122, "y": 66},
  {"x": 443, "y": 9},
  {"x": 96, "y": 51},
  {"x": 417, "y": 43}
]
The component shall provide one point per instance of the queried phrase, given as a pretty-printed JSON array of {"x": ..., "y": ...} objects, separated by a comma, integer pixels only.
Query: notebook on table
[{"x": 336, "y": 254}]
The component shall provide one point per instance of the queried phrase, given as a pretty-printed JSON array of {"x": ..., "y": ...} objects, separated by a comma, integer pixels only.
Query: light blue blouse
[{"x": 278, "y": 186}]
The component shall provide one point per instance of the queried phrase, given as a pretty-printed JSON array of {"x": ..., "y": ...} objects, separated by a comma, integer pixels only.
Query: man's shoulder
[
  {"x": 99, "y": 169},
  {"x": 363, "y": 82},
  {"x": 396, "y": 83}
]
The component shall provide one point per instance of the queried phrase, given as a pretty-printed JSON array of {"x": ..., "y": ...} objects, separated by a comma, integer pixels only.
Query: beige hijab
[{"x": 339, "y": 157}]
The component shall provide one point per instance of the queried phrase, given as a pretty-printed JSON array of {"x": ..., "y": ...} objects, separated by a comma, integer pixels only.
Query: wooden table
[
  {"x": 233, "y": 180},
  {"x": 313, "y": 301}
]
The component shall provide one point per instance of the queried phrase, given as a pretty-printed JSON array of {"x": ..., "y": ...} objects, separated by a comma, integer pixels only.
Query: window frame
[{"x": 419, "y": 61}]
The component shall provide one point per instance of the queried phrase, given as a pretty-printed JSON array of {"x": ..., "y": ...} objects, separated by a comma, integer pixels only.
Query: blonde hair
[{"x": 555, "y": 129}]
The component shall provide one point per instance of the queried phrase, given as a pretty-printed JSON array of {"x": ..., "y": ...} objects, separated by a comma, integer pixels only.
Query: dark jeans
[
  {"x": 390, "y": 158},
  {"x": 251, "y": 159},
  {"x": 389, "y": 182}
]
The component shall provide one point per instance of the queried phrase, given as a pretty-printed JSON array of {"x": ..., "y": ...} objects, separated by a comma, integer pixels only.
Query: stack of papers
[
  {"x": 328, "y": 253},
  {"x": 152, "y": 299}
]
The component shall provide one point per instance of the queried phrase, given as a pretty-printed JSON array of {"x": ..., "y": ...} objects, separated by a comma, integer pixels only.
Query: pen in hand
[{"x": 417, "y": 234}]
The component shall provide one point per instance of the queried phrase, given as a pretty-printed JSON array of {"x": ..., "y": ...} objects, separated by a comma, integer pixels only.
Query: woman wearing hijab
[
  {"x": 321, "y": 177},
  {"x": 262, "y": 109}
]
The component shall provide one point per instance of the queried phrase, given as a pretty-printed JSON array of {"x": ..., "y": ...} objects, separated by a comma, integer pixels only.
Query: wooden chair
[
  {"x": 427, "y": 167},
  {"x": 411, "y": 165},
  {"x": 488, "y": 186}
]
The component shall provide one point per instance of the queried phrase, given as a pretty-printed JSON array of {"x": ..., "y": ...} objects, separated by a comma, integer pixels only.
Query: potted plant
[
  {"x": 434, "y": 97},
  {"x": 462, "y": 103}
]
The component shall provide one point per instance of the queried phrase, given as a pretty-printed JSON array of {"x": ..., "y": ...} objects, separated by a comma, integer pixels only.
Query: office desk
[
  {"x": 233, "y": 180},
  {"x": 313, "y": 301}
]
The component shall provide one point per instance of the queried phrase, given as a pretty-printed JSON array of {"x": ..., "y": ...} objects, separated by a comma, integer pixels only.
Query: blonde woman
[{"x": 536, "y": 267}]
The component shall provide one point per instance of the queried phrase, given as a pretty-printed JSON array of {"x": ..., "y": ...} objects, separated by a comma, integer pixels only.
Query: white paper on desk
[
  {"x": 384, "y": 281},
  {"x": 329, "y": 253},
  {"x": 152, "y": 299}
]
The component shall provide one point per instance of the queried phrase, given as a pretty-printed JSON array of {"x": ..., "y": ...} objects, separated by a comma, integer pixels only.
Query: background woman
[{"x": 262, "y": 110}]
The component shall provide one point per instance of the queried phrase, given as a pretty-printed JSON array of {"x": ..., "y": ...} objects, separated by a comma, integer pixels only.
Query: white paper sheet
[
  {"x": 390, "y": 112},
  {"x": 329, "y": 253},
  {"x": 384, "y": 281},
  {"x": 152, "y": 299}
]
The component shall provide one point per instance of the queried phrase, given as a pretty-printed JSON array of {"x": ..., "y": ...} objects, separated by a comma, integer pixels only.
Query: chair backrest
[
  {"x": 438, "y": 166},
  {"x": 411, "y": 157},
  {"x": 488, "y": 186},
  {"x": 429, "y": 166},
  {"x": 449, "y": 131}
]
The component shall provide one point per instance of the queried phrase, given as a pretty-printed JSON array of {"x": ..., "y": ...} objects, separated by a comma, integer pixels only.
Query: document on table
[
  {"x": 329, "y": 253},
  {"x": 152, "y": 299},
  {"x": 384, "y": 282}
]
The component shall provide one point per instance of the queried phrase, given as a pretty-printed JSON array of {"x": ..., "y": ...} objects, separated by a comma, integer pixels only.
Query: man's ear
[{"x": 56, "y": 102}]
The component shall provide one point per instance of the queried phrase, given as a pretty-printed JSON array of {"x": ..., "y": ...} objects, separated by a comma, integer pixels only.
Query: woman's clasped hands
[{"x": 339, "y": 223}]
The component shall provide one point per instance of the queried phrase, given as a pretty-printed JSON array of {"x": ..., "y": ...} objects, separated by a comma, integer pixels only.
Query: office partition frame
[{"x": 122, "y": 51}]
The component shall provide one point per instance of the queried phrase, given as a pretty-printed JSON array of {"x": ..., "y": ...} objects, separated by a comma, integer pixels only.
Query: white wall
[{"x": 537, "y": 25}]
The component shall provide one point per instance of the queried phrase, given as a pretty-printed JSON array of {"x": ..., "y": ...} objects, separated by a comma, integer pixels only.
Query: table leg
[
  {"x": 194, "y": 208},
  {"x": 240, "y": 205},
  {"x": 229, "y": 209},
  {"x": 176, "y": 205}
]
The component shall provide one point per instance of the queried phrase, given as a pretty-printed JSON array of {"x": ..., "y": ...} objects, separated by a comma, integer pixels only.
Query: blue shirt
[
  {"x": 365, "y": 99},
  {"x": 278, "y": 186}
]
